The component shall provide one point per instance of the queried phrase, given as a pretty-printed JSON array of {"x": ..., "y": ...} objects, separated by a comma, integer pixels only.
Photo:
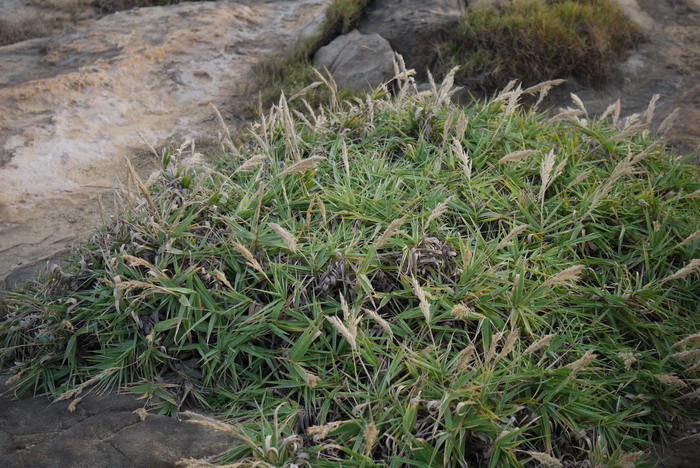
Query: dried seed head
[
  {"x": 302, "y": 166},
  {"x": 516, "y": 156},
  {"x": 461, "y": 311},
  {"x": 683, "y": 272},
  {"x": 390, "y": 230},
  {"x": 539, "y": 344},
  {"x": 579, "y": 103},
  {"x": 206, "y": 421},
  {"x": 508, "y": 345},
  {"x": 690, "y": 238},
  {"x": 383, "y": 323},
  {"x": 252, "y": 262},
  {"x": 582, "y": 363},
  {"x": 251, "y": 164},
  {"x": 629, "y": 460},
  {"x": 422, "y": 299},
  {"x": 438, "y": 211},
  {"x": 462, "y": 156},
  {"x": 321, "y": 432},
  {"x": 514, "y": 233},
  {"x": 545, "y": 459},
  {"x": 141, "y": 413},
  {"x": 495, "y": 340},
  {"x": 669, "y": 379},
  {"x": 371, "y": 434},
  {"x": 694, "y": 338},
  {"x": 568, "y": 276},
  {"x": 628, "y": 359},
  {"x": 74, "y": 404},
  {"x": 286, "y": 236},
  {"x": 312, "y": 379},
  {"x": 343, "y": 330},
  {"x": 692, "y": 354},
  {"x": 222, "y": 277},
  {"x": 466, "y": 357}
]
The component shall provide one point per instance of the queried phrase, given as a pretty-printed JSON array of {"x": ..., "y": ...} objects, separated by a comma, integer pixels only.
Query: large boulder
[
  {"x": 357, "y": 61},
  {"x": 413, "y": 27}
]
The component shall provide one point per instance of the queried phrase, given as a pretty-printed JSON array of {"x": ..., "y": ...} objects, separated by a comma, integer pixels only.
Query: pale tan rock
[{"x": 71, "y": 107}]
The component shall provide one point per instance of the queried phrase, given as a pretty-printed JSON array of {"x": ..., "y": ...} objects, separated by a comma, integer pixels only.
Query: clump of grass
[
  {"x": 382, "y": 285},
  {"x": 537, "y": 40}
]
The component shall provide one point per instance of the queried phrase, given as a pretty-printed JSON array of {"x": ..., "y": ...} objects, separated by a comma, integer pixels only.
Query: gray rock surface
[
  {"x": 413, "y": 27},
  {"x": 357, "y": 61},
  {"x": 102, "y": 432},
  {"x": 666, "y": 63}
]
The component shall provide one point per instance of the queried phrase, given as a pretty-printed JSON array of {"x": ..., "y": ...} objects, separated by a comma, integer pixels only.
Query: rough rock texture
[
  {"x": 103, "y": 431},
  {"x": 667, "y": 63},
  {"x": 73, "y": 106},
  {"x": 357, "y": 61},
  {"x": 412, "y": 27}
]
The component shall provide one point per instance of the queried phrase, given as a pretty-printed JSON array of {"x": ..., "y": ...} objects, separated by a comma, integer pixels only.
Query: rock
[
  {"x": 73, "y": 106},
  {"x": 357, "y": 61},
  {"x": 413, "y": 27},
  {"x": 103, "y": 431}
]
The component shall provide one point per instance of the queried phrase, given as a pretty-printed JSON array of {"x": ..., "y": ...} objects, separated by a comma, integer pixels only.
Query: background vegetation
[
  {"x": 537, "y": 40},
  {"x": 396, "y": 281}
]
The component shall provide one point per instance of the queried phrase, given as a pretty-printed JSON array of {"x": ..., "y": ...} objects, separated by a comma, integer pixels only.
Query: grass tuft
[
  {"x": 538, "y": 40},
  {"x": 361, "y": 299}
]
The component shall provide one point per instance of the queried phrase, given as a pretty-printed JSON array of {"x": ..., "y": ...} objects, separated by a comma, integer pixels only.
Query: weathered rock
[
  {"x": 413, "y": 27},
  {"x": 73, "y": 106},
  {"x": 357, "y": 61},
  {"x": 103, "y": 431}
]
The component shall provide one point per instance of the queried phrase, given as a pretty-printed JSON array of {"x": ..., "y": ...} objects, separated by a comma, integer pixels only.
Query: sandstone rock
[
  {"x": 412, "y": 27},
  {"x": 73, "y": 106},
  {"x": 357, "y": 61}
]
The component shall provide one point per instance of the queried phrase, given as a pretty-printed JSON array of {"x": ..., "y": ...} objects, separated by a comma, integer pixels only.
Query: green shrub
[
  {"x": 537, "y": 40},
  {"x": 395, "y": 282}
]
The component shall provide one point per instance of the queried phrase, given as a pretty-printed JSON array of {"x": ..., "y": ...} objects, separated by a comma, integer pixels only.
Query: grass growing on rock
[
  {"x": 395, "y": 281},
  {"x": 536, "y": 40}
]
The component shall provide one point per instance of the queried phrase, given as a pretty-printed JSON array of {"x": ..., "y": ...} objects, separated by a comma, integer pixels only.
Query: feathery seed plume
[
  {"x": 671, "y": 380},
  {"x": 251, "y": 164},
  {"x": 514, "y": 233},
  {"x": 545, "y": 459},
  {"x": 628, "y": 359},
  {"x": 694, "y": 338},
  {"x": 439, "y": 210},
  {"x": 683, "y": 272},
  {"x": 539, "y": 344},
  {"x": 252, "y": 262},
  {"x": 302, "y": 166},
  {"x": 383, "y": 323},
  {"x": 286, "y": 236},
  {"x": 390, "y": 230},
  {"x": 422, "y": 298},
  {"x": 516, "y": 156},
  {"x": 568, "y": 276},
  {"x": 690, "y": 238},
  {"x": 371, "y": 434},
  {"x": 582, "y": 363},
  {"x": 463, "y": 158},
  {"x": 222, "y": 277}
]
